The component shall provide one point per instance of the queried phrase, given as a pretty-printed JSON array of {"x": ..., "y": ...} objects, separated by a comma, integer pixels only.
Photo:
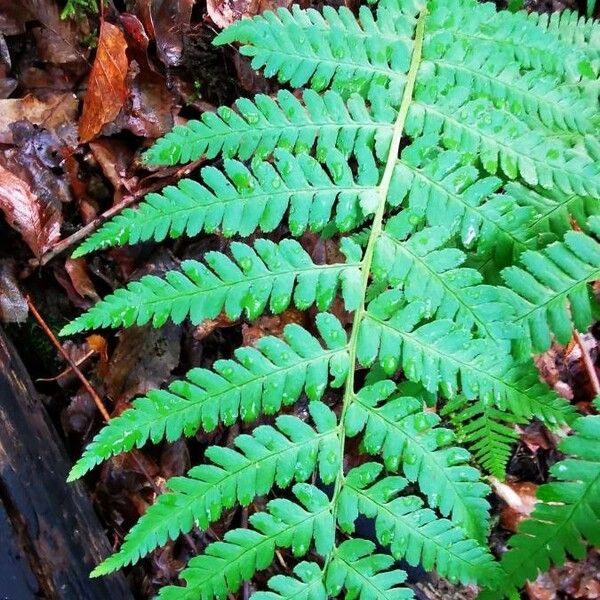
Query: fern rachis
[{"x": 445, "y": 147}]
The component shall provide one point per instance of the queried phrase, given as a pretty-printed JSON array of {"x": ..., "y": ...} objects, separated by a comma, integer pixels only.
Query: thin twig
[
  {"x": 127, "y": 201},
  {"x": 86, "y": 384},
  {"x": 92, "y": 392},
  {"x": 588, "y": 363}
]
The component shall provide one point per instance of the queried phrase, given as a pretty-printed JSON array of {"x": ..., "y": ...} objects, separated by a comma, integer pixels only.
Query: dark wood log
[{"x": 50, "y": 537}]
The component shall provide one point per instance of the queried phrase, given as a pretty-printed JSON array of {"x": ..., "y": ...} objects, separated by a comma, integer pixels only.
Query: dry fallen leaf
[
  {"x": 50, "y": 112},
  {"x": 37, "y": 222},
  {"x": 77, "y": 270},
  {"x": 224, "y": 12},
  {"x": 143, "y": 359},
  {"x": 169, "y": 20},
  {"x": 520, "y": 501},
  {"x": 107, "y": 85}
]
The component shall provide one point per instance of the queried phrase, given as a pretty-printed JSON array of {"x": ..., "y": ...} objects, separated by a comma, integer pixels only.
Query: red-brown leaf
[
  {"x": 107, "y": 87},
  {"x": 37, "y": 222}
]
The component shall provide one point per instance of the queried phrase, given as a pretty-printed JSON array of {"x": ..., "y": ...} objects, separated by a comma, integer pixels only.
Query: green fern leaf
[
  {"x": 276, "y": 372},
  {"x": 363, "y": 574},
  {"x": 328, "y": 49},
  {"x": 553, "y": 281},
  {"x": 505, "y": 144},
  {"x": 423, "y": 268},
  {"x": 289, "y": 452},
  {"x": 410, "y": 530},
  {"x": 487, "y": 431},
  {"x": 408, "y": 438},
  {"x": 225, "y": 565},
  {"x": 449, "y": 139},
  {"x": 574, "y": 30},
  {"x": 239, "y": 201},
  {"x": 566, "y": 517},
  {"x": 265, "y": 124},
  {"x": 442, "y": 356},
  {"x": 446, "y": 189},
  {"x": 309, "y": 585},
  {"x": 554, "y": 212},
  {"x": 265, "y": 274},
  {"x": 516, "y": 36}
]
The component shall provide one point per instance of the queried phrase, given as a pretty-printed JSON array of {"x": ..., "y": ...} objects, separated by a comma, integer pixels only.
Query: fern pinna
[{"x": 451, "y": 152}]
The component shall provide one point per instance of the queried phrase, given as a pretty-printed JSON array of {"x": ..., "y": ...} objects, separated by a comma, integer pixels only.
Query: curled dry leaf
[
  {"x": 107, "y": 85},
  {"x": 37, "y": 222},
  {"x": 77, "y": 270}
]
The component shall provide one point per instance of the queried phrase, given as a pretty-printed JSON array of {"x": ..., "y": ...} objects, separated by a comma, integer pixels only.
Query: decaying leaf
[
  {"x": 143, "y": 359},
  {"x": 37, "y": 222},
  {"x": 107, "y": 89},
  {"x": 170, "y": 18},
  {"x": 49, "y": 112},
  {"x": 77, "y": 270},
  {"x": 224, "y": 12}
]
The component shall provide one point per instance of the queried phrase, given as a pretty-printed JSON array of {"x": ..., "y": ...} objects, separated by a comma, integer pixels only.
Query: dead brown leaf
[
  {"x": 143, "y": 360},
  {"x": 58, "y": 40},
  {"x": 77, "y": 270},
  {"x": 224, "y": 12},
  {"x": 271, "y": 325},
  {"x": 520, "y": 500},
  {"x": 107, "y": 89},
  {"x": 49, "y": 113},
  {"x": 38, "y": 223},
  {"x": 170, "y": 18}
]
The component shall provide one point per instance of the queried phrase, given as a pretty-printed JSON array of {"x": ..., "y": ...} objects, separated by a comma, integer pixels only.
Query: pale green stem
[{"x": 383, "y": 190}]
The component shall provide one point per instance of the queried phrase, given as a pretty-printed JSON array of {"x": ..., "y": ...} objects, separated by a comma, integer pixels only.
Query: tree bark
[{"x": 50, "y": 537}]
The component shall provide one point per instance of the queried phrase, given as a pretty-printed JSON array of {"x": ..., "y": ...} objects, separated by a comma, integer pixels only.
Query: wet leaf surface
[
  {"x": 37, "y": 222},
  {"x": 107, "y": 89}
]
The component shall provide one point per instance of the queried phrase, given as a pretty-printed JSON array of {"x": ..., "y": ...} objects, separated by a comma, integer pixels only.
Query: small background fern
[{"x": 450, "y": 152}]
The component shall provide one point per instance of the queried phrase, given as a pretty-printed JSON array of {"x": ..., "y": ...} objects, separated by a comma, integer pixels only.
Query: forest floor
[{"x": 64, "y": 168}]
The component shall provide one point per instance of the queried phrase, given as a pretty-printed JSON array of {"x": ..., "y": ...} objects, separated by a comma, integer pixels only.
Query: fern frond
[
  {"x": 265, "y": 274},
  {"x": 553, "y": 211},
  {"x": 505, "y": 144},
  {"x": 446, "y": 189},
  {"x": 307, "y": 585},
  {"x": 567, "y": 516},
  {"x": 289, "y": 452},
  {"x": 418, "y": 263},
  {"x": 264, "y": 124},
  {"x": 484, "y": 70},
  {"x": 328, "y": 49},
  {"x": 573, "y": 29},
  {"x": 286, "y": 524},
  {"x": 553, "y": 290},
  {"x": 411, "y": 531},
  {"x": 511, "y": 35},
  {"x": 408, "y": 438},
  {"x": 453, "y": 139},
  {"x": 363, "y": 574},
  {"x": 442, "y": 356},
  {"x": 240, "y": 201},
  {"x": 487, "y": 431},
  {"x": 260, "y": 380}
]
